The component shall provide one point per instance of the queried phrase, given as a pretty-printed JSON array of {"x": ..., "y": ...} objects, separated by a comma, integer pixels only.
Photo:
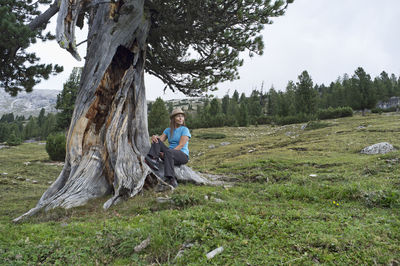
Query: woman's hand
[{"x": 154, "y": 139}]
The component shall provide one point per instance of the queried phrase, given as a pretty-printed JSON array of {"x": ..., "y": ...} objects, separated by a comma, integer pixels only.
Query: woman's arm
[
  {"x": 183, "y": 140},
  {"x": 154, "y": 138}
]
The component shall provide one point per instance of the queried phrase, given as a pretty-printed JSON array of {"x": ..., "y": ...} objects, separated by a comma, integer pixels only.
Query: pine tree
[
  {"x": 243, "y": 116},
  {"x": 254, "y": 106},
  {"x": 215, "y": 107},
  {"x": 243, "y": 98},
  {"x": 235, "y": 96},
  {"x": 225, "y": 104},
  {"x": 363, "y": 84},
  {"x": 170, "y": 107},
  {"x": 20, "y": 25},
  {"x": 158, "y": 117},
  {"x": 306, "y": 97},
  {"x": 215, "y": 114},
  {"x": 272, "y": 102},
  {"x": 66, "y": 99},
  {"x": 125, "y": 40},
  {"x": 31, "y": 129},
  {"x": 41, "y": 117},
  {"x": 290, "y": 97},
  {"x": 49, "y": 126},
  {"x": 4, "y": 132}
]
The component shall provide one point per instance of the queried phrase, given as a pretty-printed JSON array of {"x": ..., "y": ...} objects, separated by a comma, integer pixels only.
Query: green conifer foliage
[
  {"x": 362, "y": 83},
  {"x": 306, "y": 96},
  {"x": 19, "y": 69},
  {"x": 158, "y": 118},
  {"x": 66, "y": 99}
]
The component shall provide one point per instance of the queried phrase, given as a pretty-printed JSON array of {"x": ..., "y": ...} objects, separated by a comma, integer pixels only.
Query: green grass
[{"x": 299, "y": 197}]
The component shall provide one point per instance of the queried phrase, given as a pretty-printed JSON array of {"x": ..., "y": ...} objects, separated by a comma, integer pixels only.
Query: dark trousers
[{"x": 171, "y": 157}]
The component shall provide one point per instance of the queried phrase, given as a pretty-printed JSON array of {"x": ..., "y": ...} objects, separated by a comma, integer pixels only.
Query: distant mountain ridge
[{"x": 28, "y": 104}]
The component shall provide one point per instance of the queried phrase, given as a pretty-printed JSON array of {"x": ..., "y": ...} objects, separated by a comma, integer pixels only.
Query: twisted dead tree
[{"x": 191, "y": 45}]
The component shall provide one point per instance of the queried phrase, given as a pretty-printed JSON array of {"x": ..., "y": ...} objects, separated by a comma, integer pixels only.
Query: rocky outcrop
[
  {"x": 28, "y": 103},
  {"x": 378, "y": 148}
]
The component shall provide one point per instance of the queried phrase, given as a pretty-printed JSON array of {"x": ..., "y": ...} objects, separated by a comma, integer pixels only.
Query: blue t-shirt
[{"x": 178, "y": 133}]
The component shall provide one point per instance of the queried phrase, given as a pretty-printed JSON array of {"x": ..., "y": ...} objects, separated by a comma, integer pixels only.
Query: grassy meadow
[{"x": 293, "y": 196}]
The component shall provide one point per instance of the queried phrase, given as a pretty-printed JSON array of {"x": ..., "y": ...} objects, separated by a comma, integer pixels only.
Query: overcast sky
[{"x": 325, "y": 37}]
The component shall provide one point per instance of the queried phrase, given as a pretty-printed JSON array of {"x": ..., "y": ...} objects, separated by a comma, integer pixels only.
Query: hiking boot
[
  {"x": 153, "y": 163},
  {"x": 172, "y": 181}
]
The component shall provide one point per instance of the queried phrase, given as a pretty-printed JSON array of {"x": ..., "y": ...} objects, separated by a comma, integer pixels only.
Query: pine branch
[{"x": 43, "y": 18}]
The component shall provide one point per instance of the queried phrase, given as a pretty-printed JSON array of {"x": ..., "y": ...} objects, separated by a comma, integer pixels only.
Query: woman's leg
[
  {"x": 171, "y": 158},
  {"x": 156, "y": 148},
  {"x": 154, "y": 153}
]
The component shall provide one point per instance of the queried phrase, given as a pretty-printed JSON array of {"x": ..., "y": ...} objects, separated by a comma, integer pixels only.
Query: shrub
[
  {"x": 184, "y": 200},
  {"x": 315, "y": 125},
  {"x": 265, "y": 119},
  {"x": 13, "y": 140},
  {"x": 55, "y": 146},
  {"x": 211, "y": 136},
  {"x": 331, "y": 113}
]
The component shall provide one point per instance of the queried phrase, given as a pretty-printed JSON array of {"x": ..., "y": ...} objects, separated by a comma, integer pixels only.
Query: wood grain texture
[{"x": 108, "y": 134}]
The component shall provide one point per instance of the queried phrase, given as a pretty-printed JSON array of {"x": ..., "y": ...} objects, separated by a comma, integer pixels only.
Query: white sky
[{"x": 325, "y": 37}]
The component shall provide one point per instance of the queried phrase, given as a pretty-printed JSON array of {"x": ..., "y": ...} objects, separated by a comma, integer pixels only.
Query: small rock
[
  {"x": 142, "y": 245},
  {"x": 250, "y": 151},
  {"x": 49, "y": 182},
  {"x": 182, "y": 249},
  {"x": 360, "y": 127},
  {"x": 217, "y": 200},
  {"x": 4, "y": 173},
  {"x": 212, "y": 146},
  {"x": 379, "y": 148},
  {"x": 27, "y": 163},
  {"x": 164, "y": 200},
  {"x": 303, "y": 126},
  {"x": 225, "y": 143},
  {"x": 215, "y": 252},
  {"x": 313, "y": 175},
  {"x": 259, "y": 178},
  {"x": 27, "y": 180},
  {"x": 205, "y": 197},
  {"x": 19, "y": 178},
  {"x": 34, "y": 181},
  {"x": 42, "y": 143}
]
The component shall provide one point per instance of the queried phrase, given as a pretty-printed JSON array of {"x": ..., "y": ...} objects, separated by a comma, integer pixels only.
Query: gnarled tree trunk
[{"x": 108, "y": 133}]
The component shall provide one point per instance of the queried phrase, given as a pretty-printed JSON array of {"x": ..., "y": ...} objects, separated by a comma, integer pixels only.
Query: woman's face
[{"x": 179, "y": 119}]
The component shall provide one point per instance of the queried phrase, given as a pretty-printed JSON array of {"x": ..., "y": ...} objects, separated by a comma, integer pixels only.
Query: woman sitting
[{"x": 177, "y": 153}]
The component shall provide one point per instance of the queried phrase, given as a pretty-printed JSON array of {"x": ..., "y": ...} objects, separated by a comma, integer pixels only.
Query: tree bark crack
[{"x": 108, "y": 135}]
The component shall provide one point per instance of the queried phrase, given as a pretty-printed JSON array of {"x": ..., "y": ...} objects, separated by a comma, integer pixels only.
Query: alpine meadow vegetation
[{"x": 291, "y": 196}]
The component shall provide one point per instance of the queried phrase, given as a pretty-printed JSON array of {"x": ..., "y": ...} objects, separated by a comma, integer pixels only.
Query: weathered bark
[{"x": 108, "y": 134}]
